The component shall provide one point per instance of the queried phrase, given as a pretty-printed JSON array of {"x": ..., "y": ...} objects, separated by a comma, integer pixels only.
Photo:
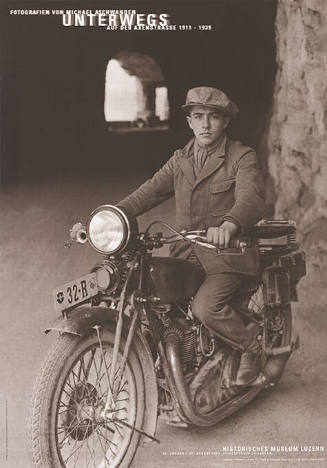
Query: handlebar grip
[
  {"x": 234, "y": 243},
  {"x": 239, "y": 243},
  {"x": 200, "y": 238}
]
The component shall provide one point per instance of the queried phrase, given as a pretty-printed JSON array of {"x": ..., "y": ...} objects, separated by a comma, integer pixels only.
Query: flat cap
[{"x": 210, "y": 97}]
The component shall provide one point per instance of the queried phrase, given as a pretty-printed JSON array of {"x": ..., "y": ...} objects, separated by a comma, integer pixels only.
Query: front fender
[{"x": 81, "y": 319}]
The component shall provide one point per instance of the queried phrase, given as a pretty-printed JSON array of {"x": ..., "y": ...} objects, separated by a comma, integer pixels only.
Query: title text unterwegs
[{"x": 115, "y": 19}]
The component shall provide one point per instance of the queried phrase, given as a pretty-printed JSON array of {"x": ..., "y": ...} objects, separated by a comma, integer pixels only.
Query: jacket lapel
[
  {"x": 212, "y": 165},
  {"x": 186, "y": 162}
]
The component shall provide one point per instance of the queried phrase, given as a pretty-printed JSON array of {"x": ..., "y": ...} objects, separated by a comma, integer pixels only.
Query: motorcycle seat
[{"x": 271, "y": 232}]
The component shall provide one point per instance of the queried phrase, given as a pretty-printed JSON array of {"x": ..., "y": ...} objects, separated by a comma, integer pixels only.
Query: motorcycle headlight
[{"x": 109, "y": 229}]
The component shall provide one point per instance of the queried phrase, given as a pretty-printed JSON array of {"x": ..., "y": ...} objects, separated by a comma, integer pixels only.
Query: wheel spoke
[
  {"x": 90, "y": 452},
  {"x": 105, "y": 392},
  {"x": 93, "y": 451},
  {"x": 77, "y": 450},
  {"x": 75, "y": 375},
  {"x": 99, "y": 376},
  {"x": 65, "y": 391},
  {"x": 121, "y": 388},
  {"x": 99, "y": 427},
  {"x": 107, "y": 427},
  {"x": 72, "y": 453},
  {"x": 98, "y": 372},
  {"x": 104, "y": 452},
  {"x": 256, "y": 301},
  {"x": 83, "y": 438},
  {"x": 69, "y": 432},
  {"x": 118, "y": 429},
  {"x": 63, "y": 411},
  {"x": 121, "y": 399},
  {"x": 89, "y": 364}
]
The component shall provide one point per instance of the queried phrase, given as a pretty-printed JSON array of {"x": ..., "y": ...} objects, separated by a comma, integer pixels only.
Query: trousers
[{"x": 211, "y": 306}]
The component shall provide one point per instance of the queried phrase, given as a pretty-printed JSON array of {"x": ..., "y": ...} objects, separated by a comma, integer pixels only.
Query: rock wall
[{"x": 297, "y": 134}]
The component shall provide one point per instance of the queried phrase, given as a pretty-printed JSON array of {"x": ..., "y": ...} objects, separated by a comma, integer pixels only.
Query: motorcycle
[{"x": 130, "y": 351}]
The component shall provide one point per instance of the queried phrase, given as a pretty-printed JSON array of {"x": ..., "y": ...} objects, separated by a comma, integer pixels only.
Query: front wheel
[{"x": 66, "y": 427}]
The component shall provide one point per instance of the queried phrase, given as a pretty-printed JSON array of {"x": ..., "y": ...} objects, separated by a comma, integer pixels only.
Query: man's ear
[{"x": 188, "y": 118}]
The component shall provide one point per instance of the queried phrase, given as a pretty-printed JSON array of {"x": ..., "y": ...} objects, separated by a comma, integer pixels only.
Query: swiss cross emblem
[{"x": 60, "y": 297}]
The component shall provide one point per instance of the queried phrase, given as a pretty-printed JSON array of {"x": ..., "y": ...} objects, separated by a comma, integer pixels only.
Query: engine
[{"x": 195, "y": 341}]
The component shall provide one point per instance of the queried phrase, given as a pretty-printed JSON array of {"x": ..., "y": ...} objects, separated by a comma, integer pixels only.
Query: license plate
[{"x": 76, "y": 291}]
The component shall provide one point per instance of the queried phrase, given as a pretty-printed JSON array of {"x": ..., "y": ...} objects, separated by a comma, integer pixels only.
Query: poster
[{"x": 63, "y": 154}]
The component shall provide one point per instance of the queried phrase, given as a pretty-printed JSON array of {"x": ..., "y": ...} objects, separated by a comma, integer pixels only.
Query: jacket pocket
[
  {"x": 222, "y": 197},
  {"x": 220, "y": 187}
]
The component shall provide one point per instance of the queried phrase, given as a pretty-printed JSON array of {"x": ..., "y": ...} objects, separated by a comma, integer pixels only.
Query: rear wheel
[
  {"x": 279, "y": 319},
  {"x": 279, "y": 326},
  {"x": 67, "y": 428}
]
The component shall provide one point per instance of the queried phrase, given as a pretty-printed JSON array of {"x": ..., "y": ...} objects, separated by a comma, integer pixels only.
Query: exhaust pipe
[
  {"x": 175, "y": 366},
  {"x": 276, "y": 364},
  {"x": 272, "y": 372},
  {"x": 269, "y": 377},
  {"x": 181, "y": 391}
]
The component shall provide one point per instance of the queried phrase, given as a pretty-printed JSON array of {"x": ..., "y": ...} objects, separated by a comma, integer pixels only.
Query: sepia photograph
[{"x": 163, "y": 207}]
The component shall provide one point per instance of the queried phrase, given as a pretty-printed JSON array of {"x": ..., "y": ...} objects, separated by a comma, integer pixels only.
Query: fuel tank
[{"x": 172, "y": 279}]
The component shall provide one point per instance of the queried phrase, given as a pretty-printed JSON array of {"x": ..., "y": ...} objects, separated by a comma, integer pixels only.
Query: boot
[{"x": 250, "y": 365}]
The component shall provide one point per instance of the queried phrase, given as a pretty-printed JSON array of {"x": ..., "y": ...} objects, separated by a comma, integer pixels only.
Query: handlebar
[{"x": 237, "y": 245}]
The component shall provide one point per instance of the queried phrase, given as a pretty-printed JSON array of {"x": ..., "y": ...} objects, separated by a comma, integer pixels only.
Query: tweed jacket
[{"x": 229, "y": 186}]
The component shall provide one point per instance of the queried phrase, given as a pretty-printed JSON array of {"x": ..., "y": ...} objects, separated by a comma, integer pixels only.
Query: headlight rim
[{"x": 129, "y": 227}]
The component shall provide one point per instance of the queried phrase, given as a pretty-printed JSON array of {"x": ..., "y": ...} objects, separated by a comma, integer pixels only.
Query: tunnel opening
[{"x": 136, "y": 95}]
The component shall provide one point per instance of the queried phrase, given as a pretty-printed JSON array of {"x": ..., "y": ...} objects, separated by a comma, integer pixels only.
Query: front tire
[{"x": 66, "y": 428}]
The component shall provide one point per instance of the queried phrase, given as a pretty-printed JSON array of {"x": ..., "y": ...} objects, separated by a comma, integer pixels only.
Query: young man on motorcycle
[{"x": 218, "y": 187}]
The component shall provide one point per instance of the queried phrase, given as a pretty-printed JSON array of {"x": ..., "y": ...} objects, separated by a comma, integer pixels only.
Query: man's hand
[{"x": 221, "y": 235}]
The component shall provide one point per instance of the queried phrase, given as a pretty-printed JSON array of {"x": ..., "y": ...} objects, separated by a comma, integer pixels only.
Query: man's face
[{"x": 207, "y": 124}]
